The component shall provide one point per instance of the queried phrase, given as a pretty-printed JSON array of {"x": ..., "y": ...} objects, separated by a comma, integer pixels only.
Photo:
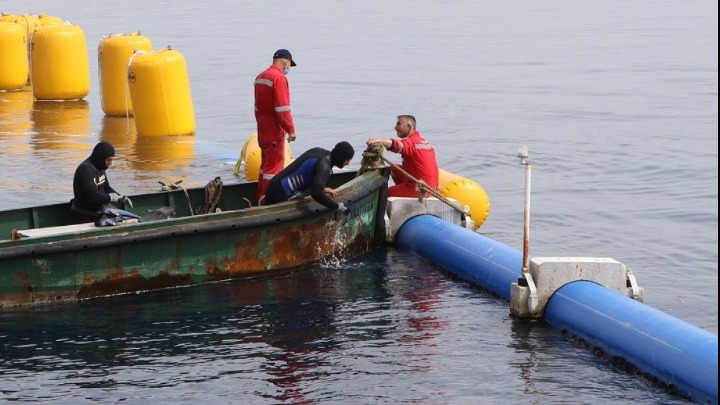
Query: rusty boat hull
[{"x": 186, "y": 249}]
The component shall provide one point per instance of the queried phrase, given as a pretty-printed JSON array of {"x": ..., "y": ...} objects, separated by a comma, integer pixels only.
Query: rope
[
  {"x": 213, "y": 192},
  {"x": 374, "y": 155},
  {"x": 372, "y": 158},
  {"x": 177, "y": 186}
]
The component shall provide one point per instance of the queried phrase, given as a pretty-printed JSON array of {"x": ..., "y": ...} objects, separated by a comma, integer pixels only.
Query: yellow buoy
[
  {"x": 29, "y": 22},
  {"x": 467, "y": 193},
  {"x": 59, "y": 66},
  {"x": 251, "y": 156},
  {"x": 14, "y": 68},
  {"x": 44, "y": 19},
  {"x": 114, "y": 52},
  {"x": 160, "y": 93}
]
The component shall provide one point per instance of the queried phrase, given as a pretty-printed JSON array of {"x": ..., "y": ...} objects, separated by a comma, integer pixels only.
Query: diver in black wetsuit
[
  {"x": 91, "y": 187},
  {"x": 311, "y": 170}
]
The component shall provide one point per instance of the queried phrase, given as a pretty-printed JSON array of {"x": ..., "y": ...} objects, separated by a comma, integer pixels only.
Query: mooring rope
[
  {"x": 213, "y": 192},
  {"x": 373, "y": 158}
]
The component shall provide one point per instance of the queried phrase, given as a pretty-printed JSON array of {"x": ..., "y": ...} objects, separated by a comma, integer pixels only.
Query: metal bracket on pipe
[{"x": 548, "y": 274}]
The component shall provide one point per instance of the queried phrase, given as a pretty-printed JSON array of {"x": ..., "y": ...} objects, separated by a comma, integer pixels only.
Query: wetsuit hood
[
  {"x": 341, "y": 152},
  {"x": 100, "y": 153}
]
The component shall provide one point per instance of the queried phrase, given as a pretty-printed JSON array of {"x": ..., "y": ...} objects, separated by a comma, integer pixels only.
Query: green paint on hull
[{"x": 185, "y": 250}]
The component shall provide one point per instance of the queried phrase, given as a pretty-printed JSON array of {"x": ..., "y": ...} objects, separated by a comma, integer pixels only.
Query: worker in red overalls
[
  {"x": 418, "y": 159},
  {"x": 273, "y": 117}
]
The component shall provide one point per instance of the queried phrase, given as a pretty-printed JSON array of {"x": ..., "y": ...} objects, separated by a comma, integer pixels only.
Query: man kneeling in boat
[
  {"x": 310, "y": 171},
  {"x": 91, "y": 186}
]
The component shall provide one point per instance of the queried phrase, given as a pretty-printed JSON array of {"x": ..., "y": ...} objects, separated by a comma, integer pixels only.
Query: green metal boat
[{"x": 45, "y": 259}]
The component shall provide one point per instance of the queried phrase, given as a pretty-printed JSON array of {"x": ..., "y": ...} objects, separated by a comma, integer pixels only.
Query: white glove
[
  {"x": 120, "y": 200},
  {"x": 342, "y": 209}
]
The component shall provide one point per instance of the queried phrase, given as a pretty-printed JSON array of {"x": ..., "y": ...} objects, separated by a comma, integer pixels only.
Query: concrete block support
[
  {"x": 550, "y": 273},
  {"x": 400, "y": 209}
]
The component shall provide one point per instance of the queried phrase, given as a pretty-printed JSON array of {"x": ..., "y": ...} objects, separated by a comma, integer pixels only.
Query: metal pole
[{"x": 523, "y": 155}]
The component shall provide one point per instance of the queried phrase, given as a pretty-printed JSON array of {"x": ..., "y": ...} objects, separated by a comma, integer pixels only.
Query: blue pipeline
[
  {"x": 675, "y": 351},
  {"x": 474, "y": 257},
  {"x": 671, "y": 350}
]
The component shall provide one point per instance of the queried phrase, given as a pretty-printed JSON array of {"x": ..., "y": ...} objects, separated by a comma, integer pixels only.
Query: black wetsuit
[
  {"x": 91, "y": 186},
  {"x": 311, "y": 170}
]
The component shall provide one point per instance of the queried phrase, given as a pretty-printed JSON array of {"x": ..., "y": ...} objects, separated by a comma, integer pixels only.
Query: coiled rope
[
  {"x": 213, "y": 192},
  {"x": 373, "y": 158}
]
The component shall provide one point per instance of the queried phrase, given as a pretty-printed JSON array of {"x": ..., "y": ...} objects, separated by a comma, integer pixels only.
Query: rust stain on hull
[{"x": 132, "y": 281}]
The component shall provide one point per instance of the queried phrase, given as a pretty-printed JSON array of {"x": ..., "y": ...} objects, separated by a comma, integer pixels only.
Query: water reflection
[
  {"x": 63, "y": 125},
  {"x": 15, "y": 109},
  {"x": 161, "y": 153},
  {"x": 119, "y": 131}
]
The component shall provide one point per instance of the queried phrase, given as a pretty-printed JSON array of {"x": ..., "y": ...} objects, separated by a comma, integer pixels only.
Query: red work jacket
[
  {"x": 418, "y": 159},
  {"x": 272, "y": 106}
]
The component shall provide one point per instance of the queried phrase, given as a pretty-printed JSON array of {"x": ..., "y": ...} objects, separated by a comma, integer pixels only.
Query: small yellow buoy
[
  {"x": 467, "y": 193},
  {"x": 114, "y": 52},
  {"x": 59, "y": 66},
  {"x": 160, "y": 93},
  {"x": 14, "y": 68},
  {"x": 251, "y": 156}
]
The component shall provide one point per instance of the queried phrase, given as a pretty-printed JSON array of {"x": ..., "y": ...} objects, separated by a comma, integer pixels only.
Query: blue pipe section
[
  {"x": 665, "y": 347},
  {"x": 670, "y": 349},
  {"x": 474, "y": 257}
]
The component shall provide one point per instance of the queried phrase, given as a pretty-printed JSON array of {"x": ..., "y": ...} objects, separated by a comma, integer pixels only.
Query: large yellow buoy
[
  {"x": 251, "y": 156},
  {"x": 14, "y": 68},
  {"x": 44, "y": 19},
  {"x": 29, "y": 22},
  {"x": 114, "y": 52},
  {"x": 59, "y": 66},
  {"x": 467, "y": 193},
  {"x": 160, "y": 93}
]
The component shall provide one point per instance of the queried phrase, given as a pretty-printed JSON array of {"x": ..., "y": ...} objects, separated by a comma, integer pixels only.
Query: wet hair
[
  {"x": 100, "y": 153},
  {"x": 341, "y": 152}
]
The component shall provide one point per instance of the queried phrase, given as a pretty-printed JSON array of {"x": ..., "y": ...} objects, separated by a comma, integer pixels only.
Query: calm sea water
[{"x": 616, "y": 101}]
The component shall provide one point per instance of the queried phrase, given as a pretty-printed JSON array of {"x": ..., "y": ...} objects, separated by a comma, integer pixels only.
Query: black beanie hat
[
  {"x": 341, "y": 152},
  {"x": 100, "y": 153}
]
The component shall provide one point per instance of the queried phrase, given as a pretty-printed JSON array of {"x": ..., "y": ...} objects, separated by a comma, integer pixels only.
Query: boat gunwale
[{"x": 244, "y": 218}]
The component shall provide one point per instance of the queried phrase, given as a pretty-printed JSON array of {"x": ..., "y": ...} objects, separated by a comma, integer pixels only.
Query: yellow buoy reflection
[
  {"x": 119, "y": 131},
  {"x": 160, "y": 153},
  {"x": 62, "y": 125},
  {"x": 15, "y": 107}
]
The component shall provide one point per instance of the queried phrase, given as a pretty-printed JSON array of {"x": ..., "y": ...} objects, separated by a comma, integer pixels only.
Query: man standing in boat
[
  {"x": 418, "y": 159},
  {"x": 273, "y": 117},
  {"x": 91, "y": 186},
  {"x": 310, "y": 171}
]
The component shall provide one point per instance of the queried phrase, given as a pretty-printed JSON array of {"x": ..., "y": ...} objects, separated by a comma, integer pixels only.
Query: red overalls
[
  {"x": 418, "y": 160},
  {"x": 274, "y": 120}
]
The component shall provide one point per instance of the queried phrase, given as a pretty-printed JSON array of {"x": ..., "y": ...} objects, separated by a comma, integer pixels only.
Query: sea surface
[{"x": 617, "y": 102}]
